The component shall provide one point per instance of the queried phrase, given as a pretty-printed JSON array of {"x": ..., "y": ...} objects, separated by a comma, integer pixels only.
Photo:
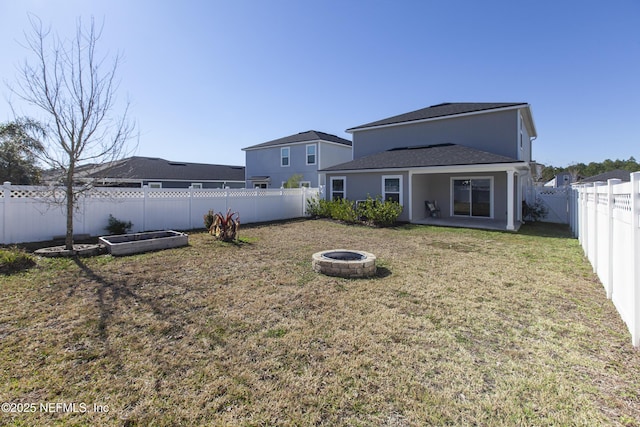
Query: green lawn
[{"x": 460, "y": 327}]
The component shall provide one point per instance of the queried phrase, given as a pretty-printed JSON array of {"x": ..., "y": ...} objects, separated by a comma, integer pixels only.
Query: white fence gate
[
  {"x": 30, "y": 214},
  {"x": 606, "y": 219},
  {"x": 556, "y": 202}
]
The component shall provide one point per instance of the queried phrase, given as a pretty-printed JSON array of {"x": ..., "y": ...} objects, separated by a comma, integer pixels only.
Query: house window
[
  {"x": 311, "y": 154},
  {"x": 155, "y": 185},
  {"x": 260, "y": 185},
  {"x": 284, "y": 157},
  {"x": 338, "y": 187},
  {"x": 392, "y": 188},
  {"x": 196, "y": 185},
  {"x": 521, "y": 144},
  {"x": 472, "y": 197}
]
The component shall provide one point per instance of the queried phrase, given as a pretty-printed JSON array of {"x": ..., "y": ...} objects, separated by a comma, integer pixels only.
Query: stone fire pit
[{"x": 345, "y": 263}]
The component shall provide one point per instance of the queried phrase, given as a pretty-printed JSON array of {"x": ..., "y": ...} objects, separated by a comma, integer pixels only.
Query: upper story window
[
  {"x": 521, "y": 142},
  {"x": 284, "y": 156},
  {"x": 311, "y": 154}
]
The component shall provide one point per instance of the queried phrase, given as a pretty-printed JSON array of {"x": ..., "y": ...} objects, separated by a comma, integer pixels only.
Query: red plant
[{"x": 225, "y": 227}]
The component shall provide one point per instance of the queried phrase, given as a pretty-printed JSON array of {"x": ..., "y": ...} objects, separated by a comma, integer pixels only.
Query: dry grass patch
[{"x": 461, "y": 327}]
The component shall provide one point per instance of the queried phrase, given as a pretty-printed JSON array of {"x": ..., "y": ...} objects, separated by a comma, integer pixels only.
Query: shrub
[
  {"x": 225, "y": 227},
  {"x": 318, "y": 208},
  {"x": 534, "y": 211},
  {"x": 14, "y": 260},
  {"x": 293, "y": 181},
  {"x": 372, "y": 211},
  {"x": 378, "y": 212},
  {"x": 343, "y": 210},
  {"x": 116, "y": 226},
  {"x": 209, "y": 217},
  {"x": 313, "y": 207}
]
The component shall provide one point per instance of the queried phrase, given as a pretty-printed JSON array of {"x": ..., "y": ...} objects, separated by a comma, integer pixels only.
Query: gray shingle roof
[
  {"x": 440, "y": 110},
  {"x": 431, "y": 155},
  {"x": 160, "y": 169},
  {"x": 620, "y": 174},
  {"x": 310, "y": 135}
]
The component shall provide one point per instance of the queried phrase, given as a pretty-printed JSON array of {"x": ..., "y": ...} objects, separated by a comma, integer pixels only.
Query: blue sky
[{"x": 207, "y": 78}]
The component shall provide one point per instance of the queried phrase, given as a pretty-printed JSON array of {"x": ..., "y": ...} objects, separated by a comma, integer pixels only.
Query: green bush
[
  {"x": 313, "y": 207},
  {"x": 116, "y": 226},
  {"x": 14, "y": 260},
  {"x": 208, "y": 218},
  {"x": 378, "y": 212},
  {"x": 319, "y": 208},
  {"x": 343, "y": 210},
  {"x": 372, "y": 211},
  {"x": 293, "y": 181},
  {"x": 535, "y": 211}
]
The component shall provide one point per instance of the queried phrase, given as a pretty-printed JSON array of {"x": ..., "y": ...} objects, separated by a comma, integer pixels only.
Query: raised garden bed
[{"x": 127, "y": 244}]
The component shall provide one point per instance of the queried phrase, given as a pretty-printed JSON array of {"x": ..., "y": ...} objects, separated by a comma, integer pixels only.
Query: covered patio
[{"x": 486, "y": 196}]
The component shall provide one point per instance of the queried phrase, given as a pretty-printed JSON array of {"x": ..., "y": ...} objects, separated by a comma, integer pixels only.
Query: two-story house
[
  {"x": 471, "y": 159},
  {"x": 272, "y": 163}
]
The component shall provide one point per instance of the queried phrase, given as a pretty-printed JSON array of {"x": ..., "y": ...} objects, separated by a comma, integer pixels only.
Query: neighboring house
[
  {"x": 272, "y": 163},
  {"x": 621, "y": 174},
  {"x": 472, "y": 159},
  {"x": 563, "y": 179},
  {"x": 160, "y": 173}
]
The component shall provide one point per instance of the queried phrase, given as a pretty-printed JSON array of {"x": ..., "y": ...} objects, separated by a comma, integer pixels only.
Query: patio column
[{"x": 510, "y": 200}]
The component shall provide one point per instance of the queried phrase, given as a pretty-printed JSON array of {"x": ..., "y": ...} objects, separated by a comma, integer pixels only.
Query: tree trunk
[{"x": 68, "y": 241}]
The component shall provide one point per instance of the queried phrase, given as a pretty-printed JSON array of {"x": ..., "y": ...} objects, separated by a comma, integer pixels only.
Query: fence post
[
  {"x": 583, "y": 217},
  {"x": 6, "y": 199},
  {"x": 610, "y": 206},
  {"x": 575, "y": 198},
  {"x": 190, "y": 207},
  {"x": 145, "y": 196},
  {"x": 596, "y": 233},
  {"x": 635, "y": 256}
]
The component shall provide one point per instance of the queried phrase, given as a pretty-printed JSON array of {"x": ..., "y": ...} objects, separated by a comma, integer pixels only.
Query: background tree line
[{"x": 581, "y": 170}]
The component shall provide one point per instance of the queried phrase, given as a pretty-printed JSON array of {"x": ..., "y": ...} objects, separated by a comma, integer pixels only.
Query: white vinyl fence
[
  {"x": 606, "y": 219},
  {"x": 30, "y": 214},
  {"x": 556, "y": 202}
]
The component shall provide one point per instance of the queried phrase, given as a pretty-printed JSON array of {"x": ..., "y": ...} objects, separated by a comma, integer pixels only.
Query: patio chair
[{"x": 432, "y": 208}]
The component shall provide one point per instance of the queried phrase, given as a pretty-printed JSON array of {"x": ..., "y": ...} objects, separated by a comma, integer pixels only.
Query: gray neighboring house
[
  {"x": 621, "y": 174},
  {"x": 272, "y": 163},
  {"x": 472, "y": 159},
  {"x": 159, "y": 173}
]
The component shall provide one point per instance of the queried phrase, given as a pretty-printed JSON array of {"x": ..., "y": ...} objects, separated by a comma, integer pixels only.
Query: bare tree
[{"x": 75, "y": 88}]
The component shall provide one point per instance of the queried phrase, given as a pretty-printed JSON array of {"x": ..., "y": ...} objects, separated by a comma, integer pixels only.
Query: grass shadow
[
  {"x": 382, "y": 272},
  {"x": 118, "y": 290},
  {"x": 546, "y": 229},
  {"x": 241, "y": 242}
]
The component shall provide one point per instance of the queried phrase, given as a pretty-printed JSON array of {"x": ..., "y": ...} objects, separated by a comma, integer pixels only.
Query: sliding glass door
[{"x": 472, "y": 197}]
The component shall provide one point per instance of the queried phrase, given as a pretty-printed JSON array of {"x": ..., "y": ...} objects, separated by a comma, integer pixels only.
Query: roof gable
[
  {"x": 440, "y": 111},
  {"x": 424, "y": 156},
  {"x": 154, "y": 168},
  {"x": 308, "y": 136}
]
